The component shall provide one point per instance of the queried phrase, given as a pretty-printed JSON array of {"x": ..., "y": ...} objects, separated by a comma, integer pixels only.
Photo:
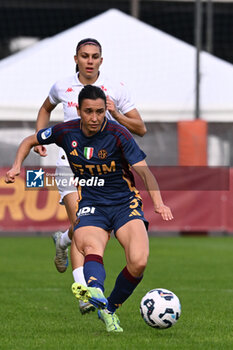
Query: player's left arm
[
  {"x": 22, "y": 153},
  {"x": 152, "y": 188},
  {"x": 131, "y": 120}
]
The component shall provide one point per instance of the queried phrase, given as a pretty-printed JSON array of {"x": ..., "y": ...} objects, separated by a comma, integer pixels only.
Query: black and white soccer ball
[{"x": 160, "y": 308}]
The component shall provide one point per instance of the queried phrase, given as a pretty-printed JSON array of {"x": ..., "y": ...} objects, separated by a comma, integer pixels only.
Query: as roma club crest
[{"x": 102, "y": 154}]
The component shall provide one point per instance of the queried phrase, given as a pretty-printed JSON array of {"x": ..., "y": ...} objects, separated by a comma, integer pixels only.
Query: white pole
[{"x": 135, "y": 8}]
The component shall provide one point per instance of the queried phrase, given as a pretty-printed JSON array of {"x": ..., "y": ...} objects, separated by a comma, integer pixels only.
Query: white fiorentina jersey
[{"x": 66, "y": 91}]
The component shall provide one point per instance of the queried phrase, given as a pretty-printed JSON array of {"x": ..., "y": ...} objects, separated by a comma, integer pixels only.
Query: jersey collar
[
  {"x": 103, "y": 126},
  {"x": 98, "y": 82},
  {"x": 105, "y": 122}
]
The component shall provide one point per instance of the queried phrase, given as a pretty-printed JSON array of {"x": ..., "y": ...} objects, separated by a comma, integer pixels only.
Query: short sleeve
[
  {"x": 130, "y": 149},
  {"x": 47, "y": 136},
  {"x": 53, "y": 94},
  {"x": 125, "y": 103}
]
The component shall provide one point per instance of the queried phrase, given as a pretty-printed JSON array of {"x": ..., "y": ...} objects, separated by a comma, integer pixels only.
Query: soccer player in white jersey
[{"x": 120, "y": 107}]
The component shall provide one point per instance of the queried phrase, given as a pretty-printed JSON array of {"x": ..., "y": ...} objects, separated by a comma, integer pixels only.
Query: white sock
[
  {"x": 65, "y": 240},
  {"x": 79, "y": 276}
]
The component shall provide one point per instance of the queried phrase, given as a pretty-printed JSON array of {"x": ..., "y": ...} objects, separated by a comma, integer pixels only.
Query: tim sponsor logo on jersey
[
  {"x": 86, "y": 211},
  {"x": 34, "y": 178},
  {"x": 95, "y": 169}
]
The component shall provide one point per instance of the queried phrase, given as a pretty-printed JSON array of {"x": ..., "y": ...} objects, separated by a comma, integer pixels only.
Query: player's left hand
[
  {"x": 10, "y": 176},
  {"x": 165, "y": 212}
]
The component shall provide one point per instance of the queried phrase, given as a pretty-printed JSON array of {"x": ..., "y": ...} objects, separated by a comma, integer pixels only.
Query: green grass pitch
[{"x": 38, "y": 310}]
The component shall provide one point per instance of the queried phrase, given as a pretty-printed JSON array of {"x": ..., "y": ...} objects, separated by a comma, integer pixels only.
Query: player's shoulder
[
  {"x": 64, "y": 83},
  {"x": 70, "y": 125},
  {"x": 110, "y": 82},
  {"x": 118, "y": 130}
]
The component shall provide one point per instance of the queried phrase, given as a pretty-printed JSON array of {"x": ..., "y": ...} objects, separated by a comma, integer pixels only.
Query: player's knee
[
  {"x": 90, "y": 249},
  {"x": 77, "y": 242},
  {"x": 139, "y": 265}
]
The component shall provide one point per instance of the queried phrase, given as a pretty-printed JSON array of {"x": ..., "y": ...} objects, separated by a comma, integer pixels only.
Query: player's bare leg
[{"x": 134, "y": 239}]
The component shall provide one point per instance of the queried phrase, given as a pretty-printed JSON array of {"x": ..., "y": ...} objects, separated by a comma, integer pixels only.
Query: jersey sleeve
[
  {"x": 130, "y": 149},
  {"x": 125, "y": 103},
  {"x": 50, "y": 135},
  {"x": 53, "y": 94}
]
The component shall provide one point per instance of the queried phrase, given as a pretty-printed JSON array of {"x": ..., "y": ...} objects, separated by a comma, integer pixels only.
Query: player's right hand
[
  {"x": 10, "y": 176},
  {"x": 41, "y": 150},
  {"x": 165, "y": 212}
]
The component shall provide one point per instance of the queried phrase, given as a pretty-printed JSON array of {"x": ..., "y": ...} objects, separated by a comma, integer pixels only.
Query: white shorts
[{"x": 64, "y": 185}]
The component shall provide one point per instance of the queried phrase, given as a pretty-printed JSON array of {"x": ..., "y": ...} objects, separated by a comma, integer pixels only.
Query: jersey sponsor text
[{"x": 95, "y": 169}]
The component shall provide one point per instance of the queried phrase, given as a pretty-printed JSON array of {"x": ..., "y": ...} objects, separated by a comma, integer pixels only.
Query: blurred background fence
[{"x": 175, "y": 56}]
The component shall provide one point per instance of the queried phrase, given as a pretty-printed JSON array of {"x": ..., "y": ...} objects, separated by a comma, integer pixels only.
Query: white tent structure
[{"x": 158, "y": 69}]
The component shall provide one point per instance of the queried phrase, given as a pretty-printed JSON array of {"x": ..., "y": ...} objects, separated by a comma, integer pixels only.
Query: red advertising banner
[
  {"x": 27, "y": 210},
  {"x": 201, "y": 199}
]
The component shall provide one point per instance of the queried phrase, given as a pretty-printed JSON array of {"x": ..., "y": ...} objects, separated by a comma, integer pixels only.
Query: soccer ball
[{"x": 160, "y": 308}]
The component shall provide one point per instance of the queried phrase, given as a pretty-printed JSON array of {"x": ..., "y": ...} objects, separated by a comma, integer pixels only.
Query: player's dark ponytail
[{"x": 87, "y": 41}]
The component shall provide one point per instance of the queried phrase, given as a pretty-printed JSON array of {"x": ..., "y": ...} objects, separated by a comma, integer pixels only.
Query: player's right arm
[
  {"x": 152, "y": 188},
  {"x": 136, "y": 158},
  {"x": 22, "y": 152},
  {"x": 42, "y": 122}
]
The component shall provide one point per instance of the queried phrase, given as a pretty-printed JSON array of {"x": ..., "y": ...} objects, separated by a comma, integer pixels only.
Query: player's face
[
  {"x": 89, "y": 60},
  {"x": 92, "y": 113}
]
